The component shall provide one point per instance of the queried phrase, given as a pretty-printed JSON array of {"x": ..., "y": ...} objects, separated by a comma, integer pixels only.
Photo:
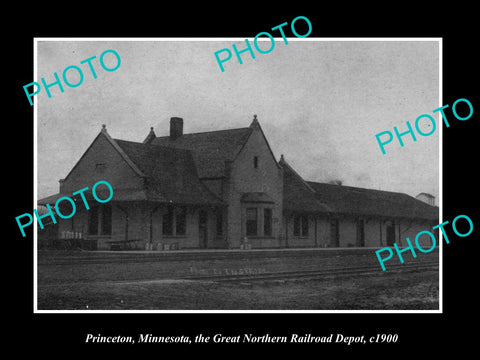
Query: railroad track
[
  {"x": 87, "y": 258},
  {"x": 319, "y": 273},
  {"x": 126, "y": 258},
  {"x": 272, "y": 276}
]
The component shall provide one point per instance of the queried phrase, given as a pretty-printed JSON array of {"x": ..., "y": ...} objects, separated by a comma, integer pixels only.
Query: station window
[
  {"x": 219, "y": 222},
  {"x": 93, "y": 220},
  {"x": 167, "y": 222},
  {"x": 255, "y": 162},
  {"x": 267, "y": 222},
  {"x": 251, "y": 222},
  {"x": 304, "y": 226},
  {"x": 300, "y": 225},
  {"x": 181, "y": 221},
  {"x": 100, "y": 220},
  {"x": 106, "y": 219}
]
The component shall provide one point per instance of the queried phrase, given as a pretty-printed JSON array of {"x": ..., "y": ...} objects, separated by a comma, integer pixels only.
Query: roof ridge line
[
  {"x": 154, "y": 145},
  {"x": 207, "y": 132},
  {"x": 361, "y": 188}
]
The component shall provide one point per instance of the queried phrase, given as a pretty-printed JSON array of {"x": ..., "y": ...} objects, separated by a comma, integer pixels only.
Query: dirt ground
[{"x": 395, "y": 291}]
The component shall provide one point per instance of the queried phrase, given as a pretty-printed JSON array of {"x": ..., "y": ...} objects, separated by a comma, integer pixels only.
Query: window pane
[
  {"x": 252, "y": 214},
  {"x": 251, "y": 223},
  {"x": 296, "y": 226},
  {"x": 219, "y": 224},
  {"x": 93, "y": 220},
  {"x": 167, "y": 223},
  {"x": 267, "y": 222},
  {"x": 106, "y": 223},
  {"x": 304, "y": 226},
  {"x": 181, "y": 221}
]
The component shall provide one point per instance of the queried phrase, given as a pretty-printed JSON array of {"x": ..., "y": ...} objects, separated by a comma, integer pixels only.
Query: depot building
[{"x": 223, "y": 189}]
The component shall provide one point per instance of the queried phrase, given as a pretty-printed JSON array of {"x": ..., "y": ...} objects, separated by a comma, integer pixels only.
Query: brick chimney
[{"x": 176, "y": 127}]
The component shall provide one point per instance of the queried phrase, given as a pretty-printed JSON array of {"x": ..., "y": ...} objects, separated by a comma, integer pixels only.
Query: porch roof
[
  {"x": 131, "y": 195},
  {"x": 118, "y": 195}
]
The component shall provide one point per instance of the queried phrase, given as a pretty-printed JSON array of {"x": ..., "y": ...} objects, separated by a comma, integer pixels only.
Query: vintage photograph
[{"x": 262, "y": 187}]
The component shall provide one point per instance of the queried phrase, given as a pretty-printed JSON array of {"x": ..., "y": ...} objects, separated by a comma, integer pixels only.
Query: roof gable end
[
  {"x": 255, "y": 126},
  {"x": 103, "y": 133}
]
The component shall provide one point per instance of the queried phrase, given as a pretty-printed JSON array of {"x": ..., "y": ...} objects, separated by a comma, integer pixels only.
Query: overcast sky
[{"x": 320, "y": 103}]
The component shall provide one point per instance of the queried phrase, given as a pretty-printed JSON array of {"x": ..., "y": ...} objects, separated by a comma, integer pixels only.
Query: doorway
[
  {"x": 334, "y": 233},
  {"x": 390, "y": 234}
]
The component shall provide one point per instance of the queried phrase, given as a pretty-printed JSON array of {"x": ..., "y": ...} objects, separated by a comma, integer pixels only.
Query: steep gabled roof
[
  {"x": 171, "y": 174},
  {"x": 210, "y": 149},
  {"x": 112, "y": 142}
]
